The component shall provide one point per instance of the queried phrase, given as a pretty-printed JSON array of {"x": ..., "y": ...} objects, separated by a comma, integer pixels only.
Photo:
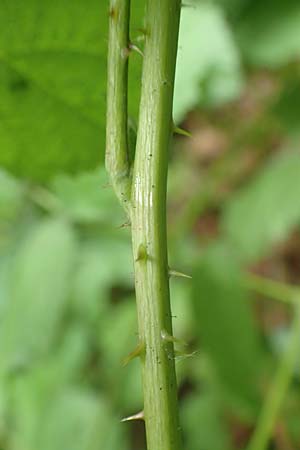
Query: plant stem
[
  {"x": 273, "y": 289},
  {"x": 117, "y": 159},
  {"x": 148, "y": 220},
  {"x": 278, "y": 389},
  {"x": 146, "y": 204},
  {"x": 275, "y": 397}
]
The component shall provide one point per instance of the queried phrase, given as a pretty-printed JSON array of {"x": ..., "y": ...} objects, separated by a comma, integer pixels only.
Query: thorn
[
  {"x": 181, "y": 131},
  {"x": 169, "y": 338},
  {"x": 184, "y": 355},
  {"x": 135, "y": 48},
  {"x": 138, "y": 351},
  {"x": 142, "y": 253},
  {"x": 137, "y": 416},
  {"x": 174, "y": 273},
  {"x": 125, "y": 225}
]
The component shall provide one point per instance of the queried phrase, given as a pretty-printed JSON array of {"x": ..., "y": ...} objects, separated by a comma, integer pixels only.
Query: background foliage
[{"x": 67, "y": 309}]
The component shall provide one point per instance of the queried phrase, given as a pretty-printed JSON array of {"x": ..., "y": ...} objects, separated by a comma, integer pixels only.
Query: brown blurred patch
[{"x": 207, "y": 143}]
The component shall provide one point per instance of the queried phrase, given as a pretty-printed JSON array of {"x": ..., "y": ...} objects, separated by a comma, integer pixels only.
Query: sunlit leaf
[{"x": 208, "y": 68}]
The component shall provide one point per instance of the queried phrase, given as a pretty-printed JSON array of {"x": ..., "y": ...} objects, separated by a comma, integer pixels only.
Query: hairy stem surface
[
  {"x": 143, "y": 195},
  {"x": 148, "y": 220}
]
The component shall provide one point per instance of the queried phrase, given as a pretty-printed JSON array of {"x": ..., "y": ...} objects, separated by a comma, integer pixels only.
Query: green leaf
[
  {"x": 266, "y": 210},
  {"x": 53, "y": 83},
  {"x": 88, "y": 198},
  {"x": 39, "y": 290},
  {"x": 202, "y": 422},
  {"x": 79, "y": 420},
  {"x": 115, "y": 343},
  {"x": 48, "y": 414},
  {"x": 268, "y": 32},
  {"x": 234, "y": 8},
  {"x": 104, "y": 262},
  {"x": 225, "y": 325},
  {"x": 208, "y": 68}
]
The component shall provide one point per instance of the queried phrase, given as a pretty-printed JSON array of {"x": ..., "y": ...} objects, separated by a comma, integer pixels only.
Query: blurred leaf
[
  {"x": 52, "y": 85},
  {"x": 263, "y": 213},
  {"x": 39, "y": 291},
  {"x": 202, "y": 423},
  {"x": 233, "y": 8},
  {"x": 105, "y": 262},
  {"x": 181, "y": 308},
  {"x": 224, "y": 324},
  {"x": 79, "y": 420},
  {"x": 268, "y": 32},
  {"x": 287, "y": 107},
  {"x": 88, "y": 198},
  {"x": 122, "y": 322},
  {"x": 208, "y": 66},
  {"x": 49, "y": 415},
  {"x": 11, "y": 196},
  {"x": 5, "y": 265},
  {"x": 117, "y": 338},
  {"x": 27, "y": 395}
]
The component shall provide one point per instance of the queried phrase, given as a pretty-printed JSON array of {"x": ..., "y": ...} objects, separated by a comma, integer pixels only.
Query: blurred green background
[{"x": 67, "y": 307}]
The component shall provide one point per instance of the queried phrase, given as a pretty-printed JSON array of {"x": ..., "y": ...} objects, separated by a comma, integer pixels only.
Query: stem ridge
[
  {"x": 141, "y": 187},
  {"x": 148, "y": 217}
]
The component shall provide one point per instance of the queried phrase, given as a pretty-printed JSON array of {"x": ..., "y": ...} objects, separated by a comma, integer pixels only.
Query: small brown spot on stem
[{"x": 113, "y": 13}]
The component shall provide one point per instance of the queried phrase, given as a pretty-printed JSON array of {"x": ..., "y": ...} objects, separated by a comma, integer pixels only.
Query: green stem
[
  {"x": 273, "y": 289},
  {"x": 278, "y": 389},
  {"x": 117, "y": 159},
  {"x": 149, "y": 225}
]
